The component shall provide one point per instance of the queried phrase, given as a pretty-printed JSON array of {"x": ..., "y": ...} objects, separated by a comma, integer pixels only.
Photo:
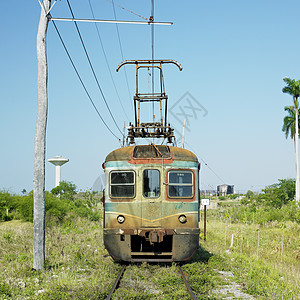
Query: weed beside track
[{"x": 78, "y": 267}]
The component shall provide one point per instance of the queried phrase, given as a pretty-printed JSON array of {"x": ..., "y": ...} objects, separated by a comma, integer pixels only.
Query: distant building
[{"x": 225, "y": 189}]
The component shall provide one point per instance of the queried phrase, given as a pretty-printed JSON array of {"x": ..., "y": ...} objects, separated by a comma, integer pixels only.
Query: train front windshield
[
  {"x": 122, "y": 184},
  {"x": 151, "y": 183},
  {"x": 180, "y": 184}
]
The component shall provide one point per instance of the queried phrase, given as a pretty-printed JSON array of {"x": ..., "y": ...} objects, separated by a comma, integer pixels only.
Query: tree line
[{"x": 60, "y": 203}]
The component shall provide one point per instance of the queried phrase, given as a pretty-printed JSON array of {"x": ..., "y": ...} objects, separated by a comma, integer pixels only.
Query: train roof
[{"x": 151, "y": 151}]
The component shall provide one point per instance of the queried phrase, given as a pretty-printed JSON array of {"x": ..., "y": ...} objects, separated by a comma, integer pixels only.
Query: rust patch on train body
[
  {"x": 182, "y": 154},
  {"x": 145, "y": 154},
  {"x": 121, "y": 154},
  {"x": 130, "y": 211},
  {"x": 151, "y": 154},
  {"x": 149, "y": 161},
  {"x": 131, "y": 222},
  {"x": 172, "y": 221}
]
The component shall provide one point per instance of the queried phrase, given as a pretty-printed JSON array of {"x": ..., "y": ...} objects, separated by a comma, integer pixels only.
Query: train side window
[
  {"x": 122, "y": 184},
  {"x": 151, "y": 183},
  {"x": 180, "y": 184}
]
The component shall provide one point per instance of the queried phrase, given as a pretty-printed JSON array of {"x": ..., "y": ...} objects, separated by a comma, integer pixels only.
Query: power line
[
  {"x": 127, "y": 10},
  {"x": 81, "y": 81},
  {"x": 121, "y": 49},
  {"x": 76, "y": 71},
  {"x": 205, "y": 163},
  {"x": 108, "y": 67},
  {"x": 91, "y": 66}
]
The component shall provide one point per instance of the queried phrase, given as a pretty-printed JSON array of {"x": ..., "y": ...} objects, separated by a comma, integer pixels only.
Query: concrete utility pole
[{"x": 40, "y": 143}]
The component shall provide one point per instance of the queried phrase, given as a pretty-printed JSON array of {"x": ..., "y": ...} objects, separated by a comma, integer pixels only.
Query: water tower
[{"x": 57, "y": 161}]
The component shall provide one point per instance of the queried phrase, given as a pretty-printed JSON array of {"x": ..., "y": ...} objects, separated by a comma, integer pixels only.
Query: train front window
[
  {"x": 151, "y": 183},
  {"x": 180, "y": 184},
  {"x": 122, "y": 184}
]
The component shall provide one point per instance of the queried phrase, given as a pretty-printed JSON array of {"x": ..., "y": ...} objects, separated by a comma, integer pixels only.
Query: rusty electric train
[{"x": 151, "y": 203}]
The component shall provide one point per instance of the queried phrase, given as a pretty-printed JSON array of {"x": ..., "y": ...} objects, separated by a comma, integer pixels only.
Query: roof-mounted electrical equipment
[{"x": 159, "y": 129}]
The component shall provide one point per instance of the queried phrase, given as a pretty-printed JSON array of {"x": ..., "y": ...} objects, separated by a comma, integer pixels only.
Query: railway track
[{"x": 120, "y": 275}]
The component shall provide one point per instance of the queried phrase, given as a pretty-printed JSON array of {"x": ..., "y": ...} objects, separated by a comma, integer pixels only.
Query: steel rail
[
  {"x": 186, "y": 283},
  {"x": 116, "y": 283}
]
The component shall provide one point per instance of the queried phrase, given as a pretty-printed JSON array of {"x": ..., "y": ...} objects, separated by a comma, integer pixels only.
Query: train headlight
[
  {"x": 121, "y": 219},
  {"x": 182, "y": 219}
]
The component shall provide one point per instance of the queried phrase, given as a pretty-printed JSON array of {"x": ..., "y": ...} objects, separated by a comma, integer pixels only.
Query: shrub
[
  {"x": 65, "y": 189},
  {"x": 8, "y": 205},
  {"x": 278, "y": 194},
  {"x": 25, "y": 208},
  {"x": 57, "y": 205},
  {"x": 265, "y": 214}
]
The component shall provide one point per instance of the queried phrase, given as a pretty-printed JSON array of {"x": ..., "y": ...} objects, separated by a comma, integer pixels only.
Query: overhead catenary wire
[
  {"x": 121, "y": 50},
  {"x": 205, "y": 163},
  {"x": 92, "y": 68},
  {"x": 81, "y": 81},
  {"x": 114, "y": 3},
  {"x": 108, "y": 67}
]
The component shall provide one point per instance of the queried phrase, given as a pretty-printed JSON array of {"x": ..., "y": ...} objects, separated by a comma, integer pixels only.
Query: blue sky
[{"x": 234, "y": 56}]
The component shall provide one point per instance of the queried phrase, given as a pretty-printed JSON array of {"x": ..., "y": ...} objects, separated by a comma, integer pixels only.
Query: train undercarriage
[{"x": 151, "y": 245}]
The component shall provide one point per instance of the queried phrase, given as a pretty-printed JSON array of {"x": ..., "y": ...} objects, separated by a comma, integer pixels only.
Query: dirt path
[{"x": 232, "y": 290}]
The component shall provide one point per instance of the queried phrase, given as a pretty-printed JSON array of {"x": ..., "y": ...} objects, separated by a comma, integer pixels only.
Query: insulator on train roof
[
  {"x": 158, "y": 132},
  {"x": 143, "y": 132}
]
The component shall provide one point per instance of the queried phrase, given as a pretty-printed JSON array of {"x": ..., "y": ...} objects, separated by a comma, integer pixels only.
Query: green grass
[
  {"x": 78, "y": 267},
  {"x": 261, "y": 268}
]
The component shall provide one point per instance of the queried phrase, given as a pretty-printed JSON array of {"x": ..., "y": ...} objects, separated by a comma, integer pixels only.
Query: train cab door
[{"x": 151, "y": 198}]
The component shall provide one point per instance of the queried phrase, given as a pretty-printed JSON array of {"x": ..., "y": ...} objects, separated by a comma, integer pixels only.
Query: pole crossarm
[{"x": 109, "y": 21}]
